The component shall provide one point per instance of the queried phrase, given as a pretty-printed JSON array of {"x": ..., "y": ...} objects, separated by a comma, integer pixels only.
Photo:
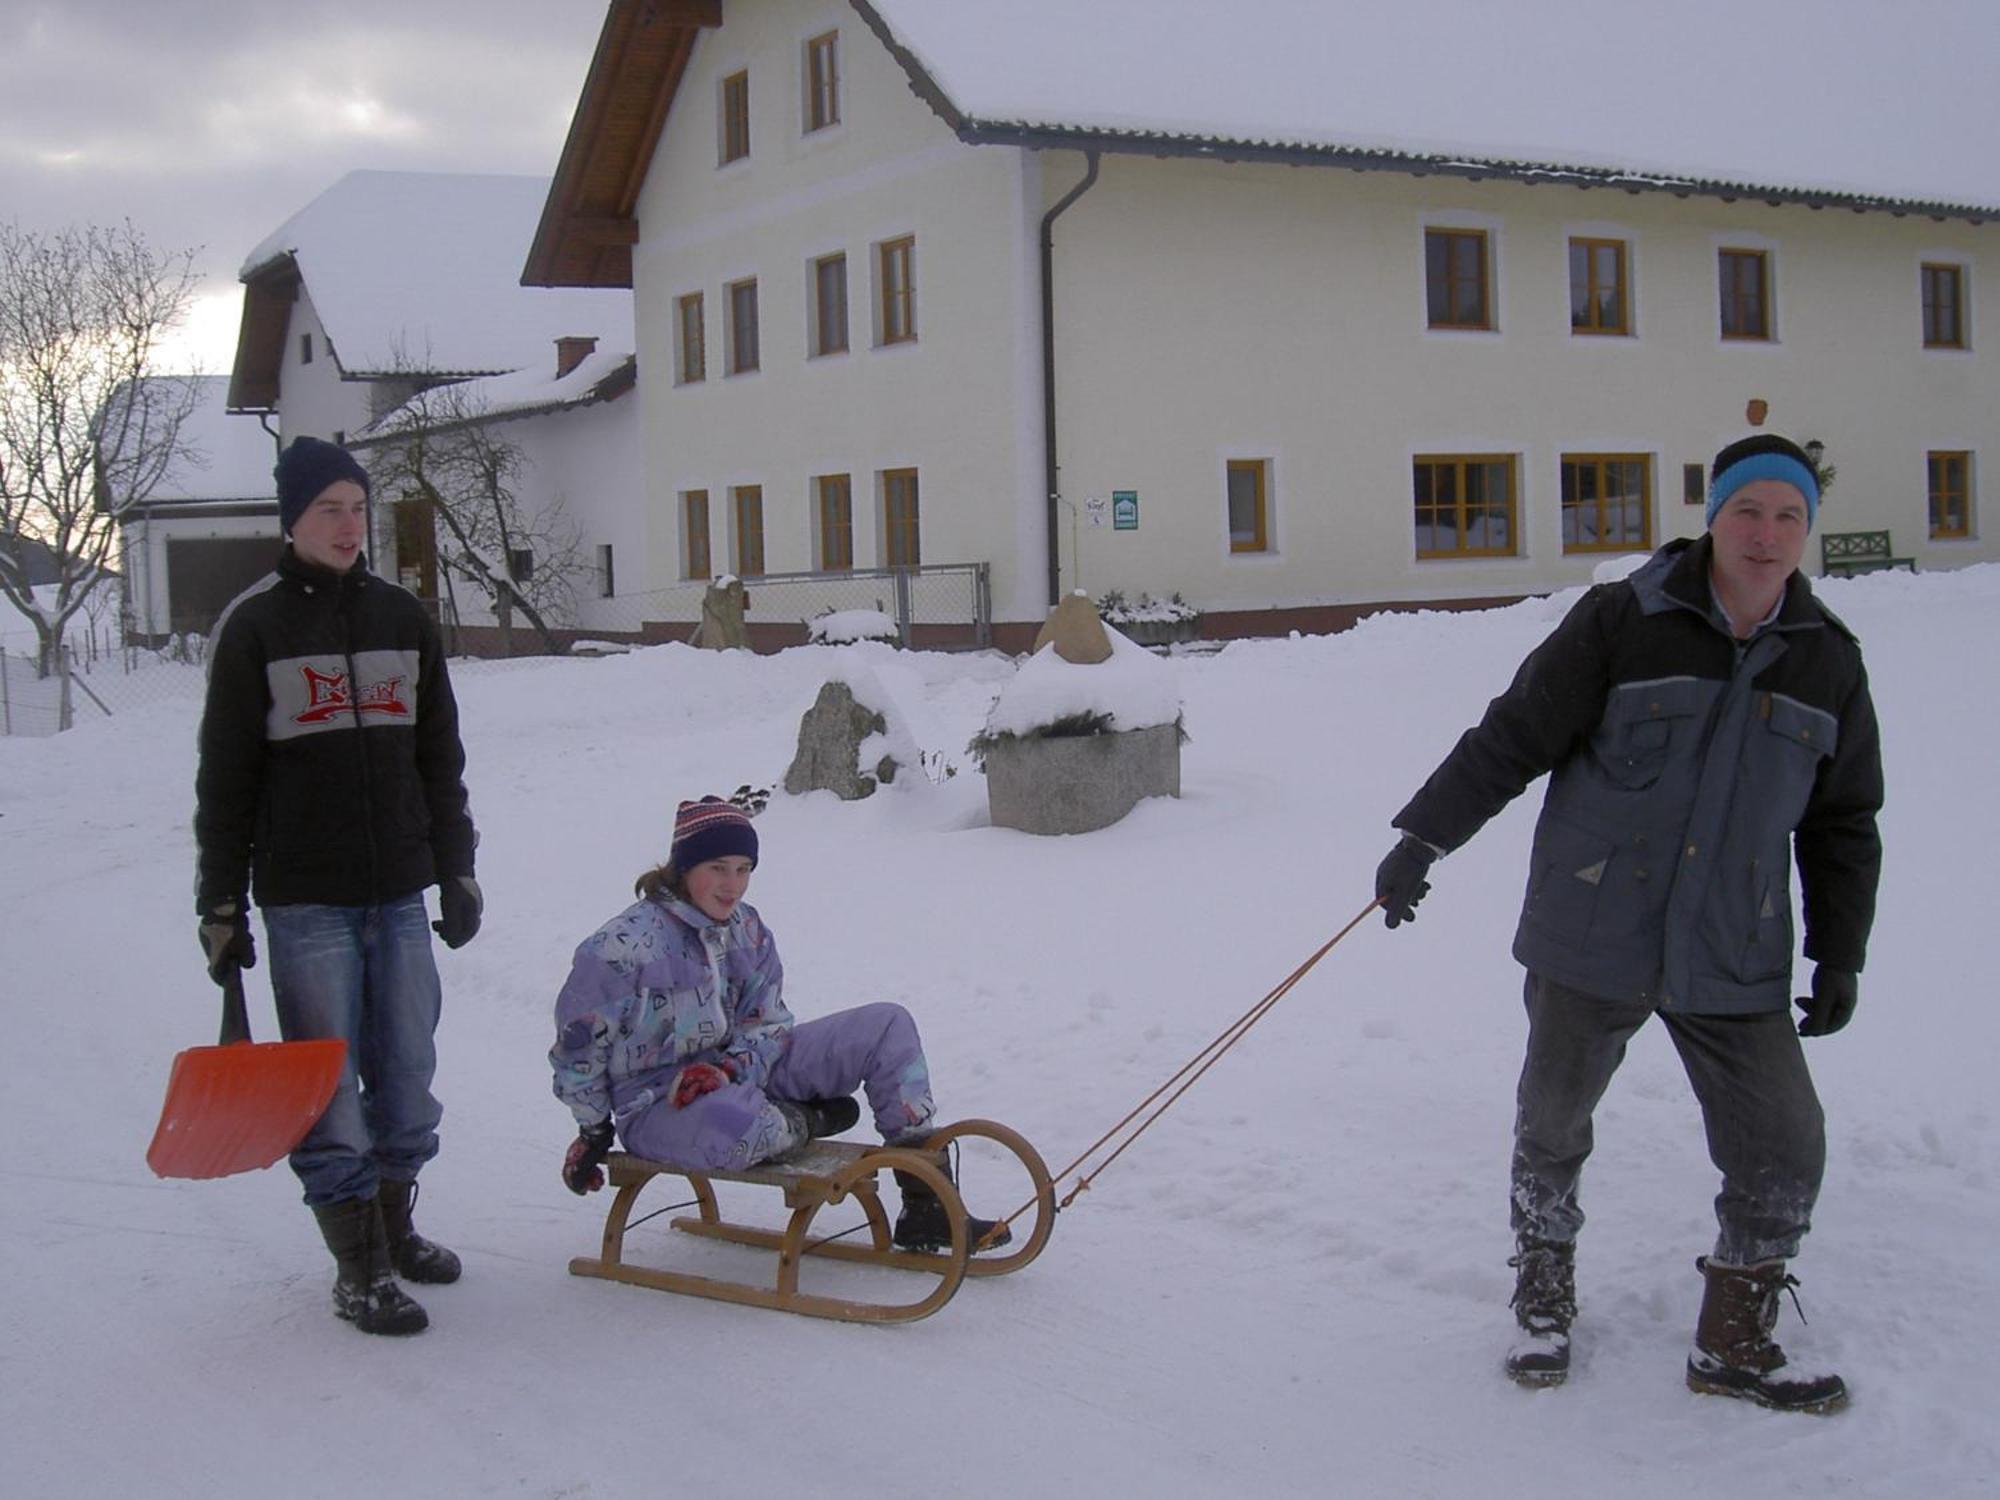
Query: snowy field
[{"x": 1294, "y": 1285}]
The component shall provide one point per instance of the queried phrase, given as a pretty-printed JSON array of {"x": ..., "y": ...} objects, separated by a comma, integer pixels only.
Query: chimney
[{"x": 571, "y": 351}]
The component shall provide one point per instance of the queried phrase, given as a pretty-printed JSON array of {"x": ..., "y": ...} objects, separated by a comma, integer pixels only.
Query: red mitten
[{"x": 695, "y": 1080}]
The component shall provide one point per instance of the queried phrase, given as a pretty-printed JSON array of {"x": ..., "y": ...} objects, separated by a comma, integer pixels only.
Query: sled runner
[{"x": 824, "y": 1173}]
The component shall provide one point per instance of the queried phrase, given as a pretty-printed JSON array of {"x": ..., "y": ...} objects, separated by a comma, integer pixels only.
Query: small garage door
[{"x": 205, "y": 573}]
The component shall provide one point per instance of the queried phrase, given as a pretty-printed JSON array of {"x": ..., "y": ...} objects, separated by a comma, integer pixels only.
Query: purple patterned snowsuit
[{"x": 662, "y": 985}]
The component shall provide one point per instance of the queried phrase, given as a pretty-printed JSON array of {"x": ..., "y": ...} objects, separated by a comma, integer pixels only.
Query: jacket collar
[
  {"x": 1676, "y": 576},
  {"x": 313, "y": 576}
]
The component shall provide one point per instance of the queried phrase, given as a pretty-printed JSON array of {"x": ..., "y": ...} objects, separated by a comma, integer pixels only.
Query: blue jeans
[{"x": 364, "y": 974}]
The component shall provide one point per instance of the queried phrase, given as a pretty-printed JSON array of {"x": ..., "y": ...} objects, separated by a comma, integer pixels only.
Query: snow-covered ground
[{"x": 1294, "y": 1285}]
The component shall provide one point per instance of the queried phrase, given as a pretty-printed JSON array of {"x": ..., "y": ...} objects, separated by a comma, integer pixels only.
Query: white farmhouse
[
  {"x": 391, "y": 283},
  {"x": 1131, "y": 297}
]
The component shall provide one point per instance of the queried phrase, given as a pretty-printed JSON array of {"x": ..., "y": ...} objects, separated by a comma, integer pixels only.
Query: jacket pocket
[
  {"x": 1768, "y": 952},
  {"x": 1565, "y": 878},
  {"x": 1642, "y": 723}
]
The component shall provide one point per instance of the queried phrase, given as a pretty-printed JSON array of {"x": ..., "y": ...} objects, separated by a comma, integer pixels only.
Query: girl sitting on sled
[{"x": 673, "y": 1026}]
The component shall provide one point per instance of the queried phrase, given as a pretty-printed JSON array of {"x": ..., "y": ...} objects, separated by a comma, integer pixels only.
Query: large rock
[
  {"x": 829, "y": 754},
  {"x": 722, "y": 607},
  {"x": 1076, "y": 630},
  {"x": 1080, "y": 782}
]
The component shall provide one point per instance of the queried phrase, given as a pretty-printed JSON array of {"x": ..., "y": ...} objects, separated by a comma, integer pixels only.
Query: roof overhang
[
  {"x": 268, "y": 295},
  {"x": 589, "y": 224}
]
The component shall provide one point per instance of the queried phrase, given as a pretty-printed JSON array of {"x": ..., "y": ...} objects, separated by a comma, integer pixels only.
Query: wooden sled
[{"x": 826, "y": 1172}]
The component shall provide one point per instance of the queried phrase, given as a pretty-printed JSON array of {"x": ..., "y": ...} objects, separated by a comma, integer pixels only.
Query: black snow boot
[
  {"x": 923, "y": 1223},
  {"x": 1544, "y": 1305},
  {"x": 414, "y": 1257},
  {"x": 829, "y": 1116},
  {"x": 365, "y": 1292},
  {"x": 1733, "y": 1352}
]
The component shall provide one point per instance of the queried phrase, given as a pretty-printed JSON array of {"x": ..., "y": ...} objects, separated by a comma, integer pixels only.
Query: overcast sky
[{"x": 210, "y": 122}]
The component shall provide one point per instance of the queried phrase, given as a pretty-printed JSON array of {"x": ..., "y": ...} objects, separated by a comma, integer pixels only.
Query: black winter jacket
[
  {"x": 1687, "y": 770},
  {"x": 331, "y": 770}
]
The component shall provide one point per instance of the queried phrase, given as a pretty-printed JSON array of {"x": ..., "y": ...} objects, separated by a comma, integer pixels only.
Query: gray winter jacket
[{"x": 1688, "y": 768}]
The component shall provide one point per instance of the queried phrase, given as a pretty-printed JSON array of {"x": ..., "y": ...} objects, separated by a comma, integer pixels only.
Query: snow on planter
[{"x": 1071, "y": 747}]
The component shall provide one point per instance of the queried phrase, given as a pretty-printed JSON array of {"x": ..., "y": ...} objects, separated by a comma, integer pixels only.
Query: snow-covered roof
[
  {"x": 600, "y": 375},
  {"x": 1845, "y": 97},
  {"x": 226, "y": 457},
  {"x": 422, "y": 270}
]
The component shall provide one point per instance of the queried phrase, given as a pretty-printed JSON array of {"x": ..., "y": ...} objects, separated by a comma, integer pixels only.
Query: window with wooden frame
[
  {"x": 1464, "y": 504},
  {"x": 1248, "y": 484},
  {"x": 742, "y": 326},
  {"x": 896, "y": 287},
  {"x": 1950, "y": 489},
  {"x": 829, "y": 305},
  {"x": 1600, "y": 300},
  {"x": 1944, "y": 306},
  {"x": 1745, "y": 282},
  {"x": 822, "y": 80},
  {"x": 1607, "y": 502},
  {"x": 695, "y": 561},
  {"x": 747, "y": 502},
  {"x": 900, "y": 544},
  {"x": 1457, "y": 280},
  {"x": 733, "y": 134},
  {"x": 690, "y": 347},
  {"x": 833, "y": 510}
]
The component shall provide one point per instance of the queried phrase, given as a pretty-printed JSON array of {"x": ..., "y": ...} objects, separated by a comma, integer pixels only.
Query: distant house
[
  {"x": 390, "y": 283},
  {"x": 579, "y": 469},
  {"x": 207, "y": 529},
  {"x": 974, "y": 287}
]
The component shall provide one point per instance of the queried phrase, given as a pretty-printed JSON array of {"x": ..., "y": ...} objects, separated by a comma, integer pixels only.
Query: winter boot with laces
[
  {"x": 923, "y": 1224},
  {"x": 1733, "y": 1352},
  {"x": 365, "y": 1292},
  {"x": 414, "y": 1257},
  {"x": 1544, "y": 1305}
]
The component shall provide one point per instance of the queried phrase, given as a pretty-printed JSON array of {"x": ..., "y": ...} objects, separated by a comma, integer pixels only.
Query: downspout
[{"x": 1049, "y": 370}]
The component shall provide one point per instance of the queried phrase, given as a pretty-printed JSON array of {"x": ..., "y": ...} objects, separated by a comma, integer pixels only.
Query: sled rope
[{"x": 1188, "y": 1074}]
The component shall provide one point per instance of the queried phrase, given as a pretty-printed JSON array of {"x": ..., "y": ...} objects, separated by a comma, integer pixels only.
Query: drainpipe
[{"x": 1050, "y": 486}]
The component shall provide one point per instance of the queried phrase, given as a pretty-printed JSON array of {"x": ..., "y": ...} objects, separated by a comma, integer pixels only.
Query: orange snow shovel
[{"x": 242, "y": 1104}]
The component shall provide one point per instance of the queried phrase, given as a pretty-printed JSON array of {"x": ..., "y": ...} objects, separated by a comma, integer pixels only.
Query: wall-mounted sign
[{"x": 1124, "y": 510}]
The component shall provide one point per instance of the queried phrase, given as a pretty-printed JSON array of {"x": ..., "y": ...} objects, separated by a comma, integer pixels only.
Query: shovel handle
[{"x": 235, "y": 1017}]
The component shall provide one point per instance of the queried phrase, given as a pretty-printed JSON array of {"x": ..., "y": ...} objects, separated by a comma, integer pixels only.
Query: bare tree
[
  {"x": 443, "y": 446},
  {"x": 87, "y": 428}
]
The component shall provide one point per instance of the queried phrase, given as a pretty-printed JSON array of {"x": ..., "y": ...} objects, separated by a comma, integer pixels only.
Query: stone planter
[
  {"x": 1159, "y": 632},
  {"x": 1078, "y": 783}
]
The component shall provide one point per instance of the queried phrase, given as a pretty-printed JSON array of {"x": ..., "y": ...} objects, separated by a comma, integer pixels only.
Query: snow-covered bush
[
  {"x": 843, "y": 627},
  {"x": 1050, "y": 697},
  {"x": 1115, "y": 609}
]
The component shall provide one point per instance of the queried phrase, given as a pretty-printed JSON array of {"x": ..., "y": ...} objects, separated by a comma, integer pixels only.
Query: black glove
[
  {"x": 224, "y": 935},
  {"x": 1831, "y": 1004},
  {"x": 461, "y": 903},
  {"x": 1399, "y": 880},
  {"x": 583, "y": 1167}
]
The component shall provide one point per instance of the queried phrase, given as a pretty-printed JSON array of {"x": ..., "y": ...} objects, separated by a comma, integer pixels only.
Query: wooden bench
[
  {"x": 1842, "y": 554},
  {"x": 820, "y": 1175}
]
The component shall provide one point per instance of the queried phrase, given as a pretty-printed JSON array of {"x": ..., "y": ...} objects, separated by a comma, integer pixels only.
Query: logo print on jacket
[{"x": 327, "y": 696}]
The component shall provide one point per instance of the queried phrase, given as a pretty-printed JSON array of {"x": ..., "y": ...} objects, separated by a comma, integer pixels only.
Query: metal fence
[
  {"x": 935, "y": 605},
  {"x": 87, "y": 685}
]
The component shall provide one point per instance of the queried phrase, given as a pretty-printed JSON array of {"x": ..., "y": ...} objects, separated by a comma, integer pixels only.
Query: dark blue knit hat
[
  {"x": 1763, "y": 455},
  {"x": 711, "y": 829},
  {"x": 305, "y": 470}
]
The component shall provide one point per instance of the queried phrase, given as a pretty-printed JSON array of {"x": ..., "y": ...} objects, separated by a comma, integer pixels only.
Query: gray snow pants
[{"x": 1766, "y": 1132}]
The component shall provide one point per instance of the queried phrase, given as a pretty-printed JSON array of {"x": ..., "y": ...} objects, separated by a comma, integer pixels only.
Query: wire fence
[
  {"x": 935, "y": 605},
  {"x": 84, "y": 685}
]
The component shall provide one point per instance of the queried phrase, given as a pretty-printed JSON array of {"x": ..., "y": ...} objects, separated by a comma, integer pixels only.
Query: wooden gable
[{"x": 589, "y": 226}]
